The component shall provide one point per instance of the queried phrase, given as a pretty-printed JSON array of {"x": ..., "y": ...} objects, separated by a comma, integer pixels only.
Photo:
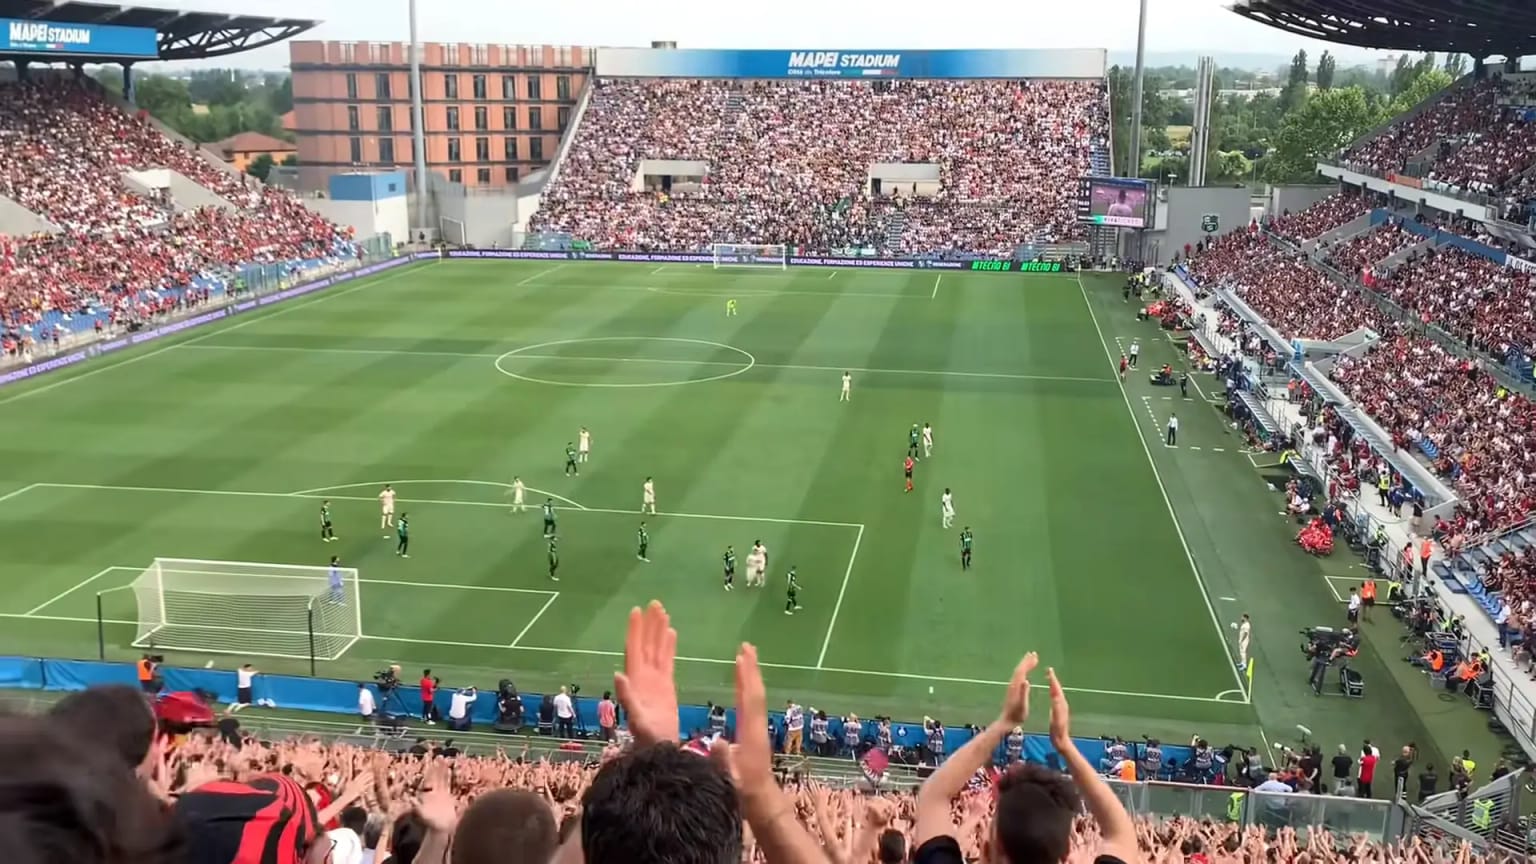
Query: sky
[{"x": 1180, "y": 26}]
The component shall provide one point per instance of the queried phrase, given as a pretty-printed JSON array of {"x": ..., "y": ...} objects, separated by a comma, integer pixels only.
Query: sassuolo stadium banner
[
  {"x": 988, "y": 265},
  {"x": 849, "y": 63},
  {"x": 64, "y": 38}
]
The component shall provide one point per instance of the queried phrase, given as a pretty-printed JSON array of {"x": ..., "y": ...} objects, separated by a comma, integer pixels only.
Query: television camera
[{"x": 1329, "y": 642}]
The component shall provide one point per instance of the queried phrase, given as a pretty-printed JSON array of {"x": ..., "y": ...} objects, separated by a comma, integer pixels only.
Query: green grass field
[{"x": 446, "y": 379}]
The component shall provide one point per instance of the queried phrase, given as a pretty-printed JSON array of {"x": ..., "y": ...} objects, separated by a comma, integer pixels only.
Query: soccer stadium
[{"x": 795, "y": 408}]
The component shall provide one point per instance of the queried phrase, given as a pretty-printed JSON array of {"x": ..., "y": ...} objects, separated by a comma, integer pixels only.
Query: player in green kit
[
  {"x": 326, "y": 534},
  {"x": 965, "y": 548},
  {"x": 549, "y": 517},
  {"x": 912, "y": 443},
  {"x": 729, "y": 560},
  {"x": 403, "y": 532},
  {"x": 642, "y": 543},
  {"x": 570, "y": 461},
  {"x": 792, "y": 603},
  {"x": 554, "y": 560}
]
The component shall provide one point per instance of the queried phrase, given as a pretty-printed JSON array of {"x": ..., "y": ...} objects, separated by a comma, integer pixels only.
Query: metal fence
[{"x": 1374, "y": 818}]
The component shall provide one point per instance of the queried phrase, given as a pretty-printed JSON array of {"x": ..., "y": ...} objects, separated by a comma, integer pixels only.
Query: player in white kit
[
  {"x": 847, "y": 387},
  {"x": 518, "y": 491},
  {"x": 757, "y": 564},
  {"x": 927, "y": 440},
  {"x": 387, "y": 508},
  {"x": 947, "y": 508},
  {"x": 1244, "y": 634},
  {"x": 648, "y": 497},
  {"x": 583, "y": 444}
]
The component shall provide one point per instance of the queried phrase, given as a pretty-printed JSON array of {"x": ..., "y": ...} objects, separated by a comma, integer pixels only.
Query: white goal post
[
  {"x": 251, "y": 609},
  {"x": 774, "y": 255}
]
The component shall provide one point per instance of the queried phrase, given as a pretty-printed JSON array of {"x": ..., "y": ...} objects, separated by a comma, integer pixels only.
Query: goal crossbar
[{"x": 248, "y": 608}]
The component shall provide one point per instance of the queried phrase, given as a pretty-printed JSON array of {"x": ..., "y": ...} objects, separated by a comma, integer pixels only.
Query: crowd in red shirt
[{"x": 118, "y": 254}]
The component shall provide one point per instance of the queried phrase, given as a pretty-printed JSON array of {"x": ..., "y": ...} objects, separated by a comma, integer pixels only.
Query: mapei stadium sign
[
  {"x": 93, "y": 40},
  {"x": 825, "y": 63},
  {"x": 842, "y": 63}
]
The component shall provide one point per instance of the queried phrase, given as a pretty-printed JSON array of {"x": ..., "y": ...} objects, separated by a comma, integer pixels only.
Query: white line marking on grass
[
  {"x": 535, "y": 619},
  {"x": 1222, "y": 696},
  {"x": 627, "y": 511},
  {"x": 1230, "y": 599},
  {"x": 68, "y": 591},
  {"x": 545, "y": 272},
  {"x": 739, "y": 367},
  {"x": 244, "y": 319},
  {"x": 832, "y": 274},
  {"x": 17, "y": 492},
  {"x": 936, "y": 281},
  {"x": 838, "y": 606},
  {"x": 1178, "y": 529},
  {"x": 659, "y": 270},
  {"x": 1010, "y": 376},
  {"x": 304, "y": 493}
]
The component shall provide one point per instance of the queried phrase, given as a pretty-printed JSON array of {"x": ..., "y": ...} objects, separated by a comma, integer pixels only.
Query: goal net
[
  {"x": 236, "y": 607},
  {"x": 775, "y": 255}
]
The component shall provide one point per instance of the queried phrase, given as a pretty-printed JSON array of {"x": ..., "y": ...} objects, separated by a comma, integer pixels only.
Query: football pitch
[{"x": 446, "y": 379}]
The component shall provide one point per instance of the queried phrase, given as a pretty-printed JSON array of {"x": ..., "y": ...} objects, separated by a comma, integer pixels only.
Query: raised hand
[
  {"x": 1061, "y": 719},
  {"x": 1016, "y": 702},
  {"x": 750, "y": 759},
  {"x": 646, "y": 686}
]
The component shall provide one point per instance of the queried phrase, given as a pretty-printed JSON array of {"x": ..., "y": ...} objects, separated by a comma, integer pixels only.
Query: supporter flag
[{"x": 874, "y": 765}]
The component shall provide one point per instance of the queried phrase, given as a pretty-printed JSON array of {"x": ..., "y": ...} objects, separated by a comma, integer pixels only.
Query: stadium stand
[
  {"x": 1367, "y": 249},
  {"x": 1324, "y": 216},
  {"x": 120, "y": 256},
  {"x": 789, "y": 161}
]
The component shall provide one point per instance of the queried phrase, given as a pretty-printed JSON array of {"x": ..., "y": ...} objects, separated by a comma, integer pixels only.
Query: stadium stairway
[
  {"x": 895, "y": 227},
  {"x": 1098, "y": 160}
]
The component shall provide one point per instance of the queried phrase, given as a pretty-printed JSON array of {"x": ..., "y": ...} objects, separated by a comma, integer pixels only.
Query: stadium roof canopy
[
  {"x": 1478, "y": 28},
  {"x": 183, "y": 35}
]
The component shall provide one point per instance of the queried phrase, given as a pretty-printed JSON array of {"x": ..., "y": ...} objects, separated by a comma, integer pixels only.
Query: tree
[
  {"x": 1401, "y": 75},
  {"x": 1325, "y": 70},
  {"x": 291, "y": 160},
  {"x": 1295, "y": 90},
  {"x": 1421, "y": 87},
  {"x": 260, "y": 167},
  {"x": 1455, "y": 65},
  {"x": 1318, "y": 130}
]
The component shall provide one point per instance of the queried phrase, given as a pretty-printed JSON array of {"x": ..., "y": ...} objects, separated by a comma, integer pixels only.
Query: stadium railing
[{"x": 1375, "y": 818}]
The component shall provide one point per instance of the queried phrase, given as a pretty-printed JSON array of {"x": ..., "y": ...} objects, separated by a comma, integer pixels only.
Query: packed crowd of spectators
[
  {"x": 1320, "y": 218},
  {"x": 1483, "y": 304},
  {"x": 790, "y": 162},
  {"x": 1479, "y": 431},
  {"x": 1471, "y": 139},
  {"x": 99, "y": 780},
  {"x": 1366, "y": 250},
  {"x": 1297, "y": 299},
  {"x": 117, "y": 252}
]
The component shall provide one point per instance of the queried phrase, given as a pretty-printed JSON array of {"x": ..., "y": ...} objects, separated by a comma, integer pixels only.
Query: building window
[
  {"x": 453, "y": 117},
  {"x": 477, "y": 85},
  {"x": 482, "y": 118},
  {"x": 533, "y": 87},
  {"x": 483, "y": 176},
  {"x": 381, "y": 85},
  {"x": 455, "y": 154},
  {"x": 480, "y": 55},
  {"x": 563, "y": 56},
  {"x": 508, "y": 118},
  {"x": 563, "y": 88},
  {"x": 508, "y": 87},
  {"x": 562, "y": 118},
  {"x": 482, "y": 149},
  {"x": 451, "y": 86},
  {"x": 536, "y": 149},
  {"x": 387, "y": 118},
  {"x": 455, "y": 175},
  {"x": 387, "y": 151},
  {"x": 352, "y": 124},
  {"x": 510, "y": 173},
  {"x": 451, "y": 54},
  {"x": 535, "y": 118},
  {"x": 509, "y": 149},
  {"x": 355, "y": 145},
  {"x": 351, "y": 85}
]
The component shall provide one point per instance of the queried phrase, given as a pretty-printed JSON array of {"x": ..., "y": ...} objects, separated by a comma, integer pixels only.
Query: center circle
[{"x": 748, "y": 361}]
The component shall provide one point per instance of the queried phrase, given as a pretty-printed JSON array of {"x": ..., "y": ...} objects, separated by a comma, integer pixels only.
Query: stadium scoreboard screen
[
  {"x": 68, "y": 39},
  {"x": 1120, "y": 202}
]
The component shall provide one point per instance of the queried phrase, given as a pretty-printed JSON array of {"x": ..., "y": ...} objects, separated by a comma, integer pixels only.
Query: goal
[
  {"x": 775, "y": 255},
  {"x": 237, "y": 607}
]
